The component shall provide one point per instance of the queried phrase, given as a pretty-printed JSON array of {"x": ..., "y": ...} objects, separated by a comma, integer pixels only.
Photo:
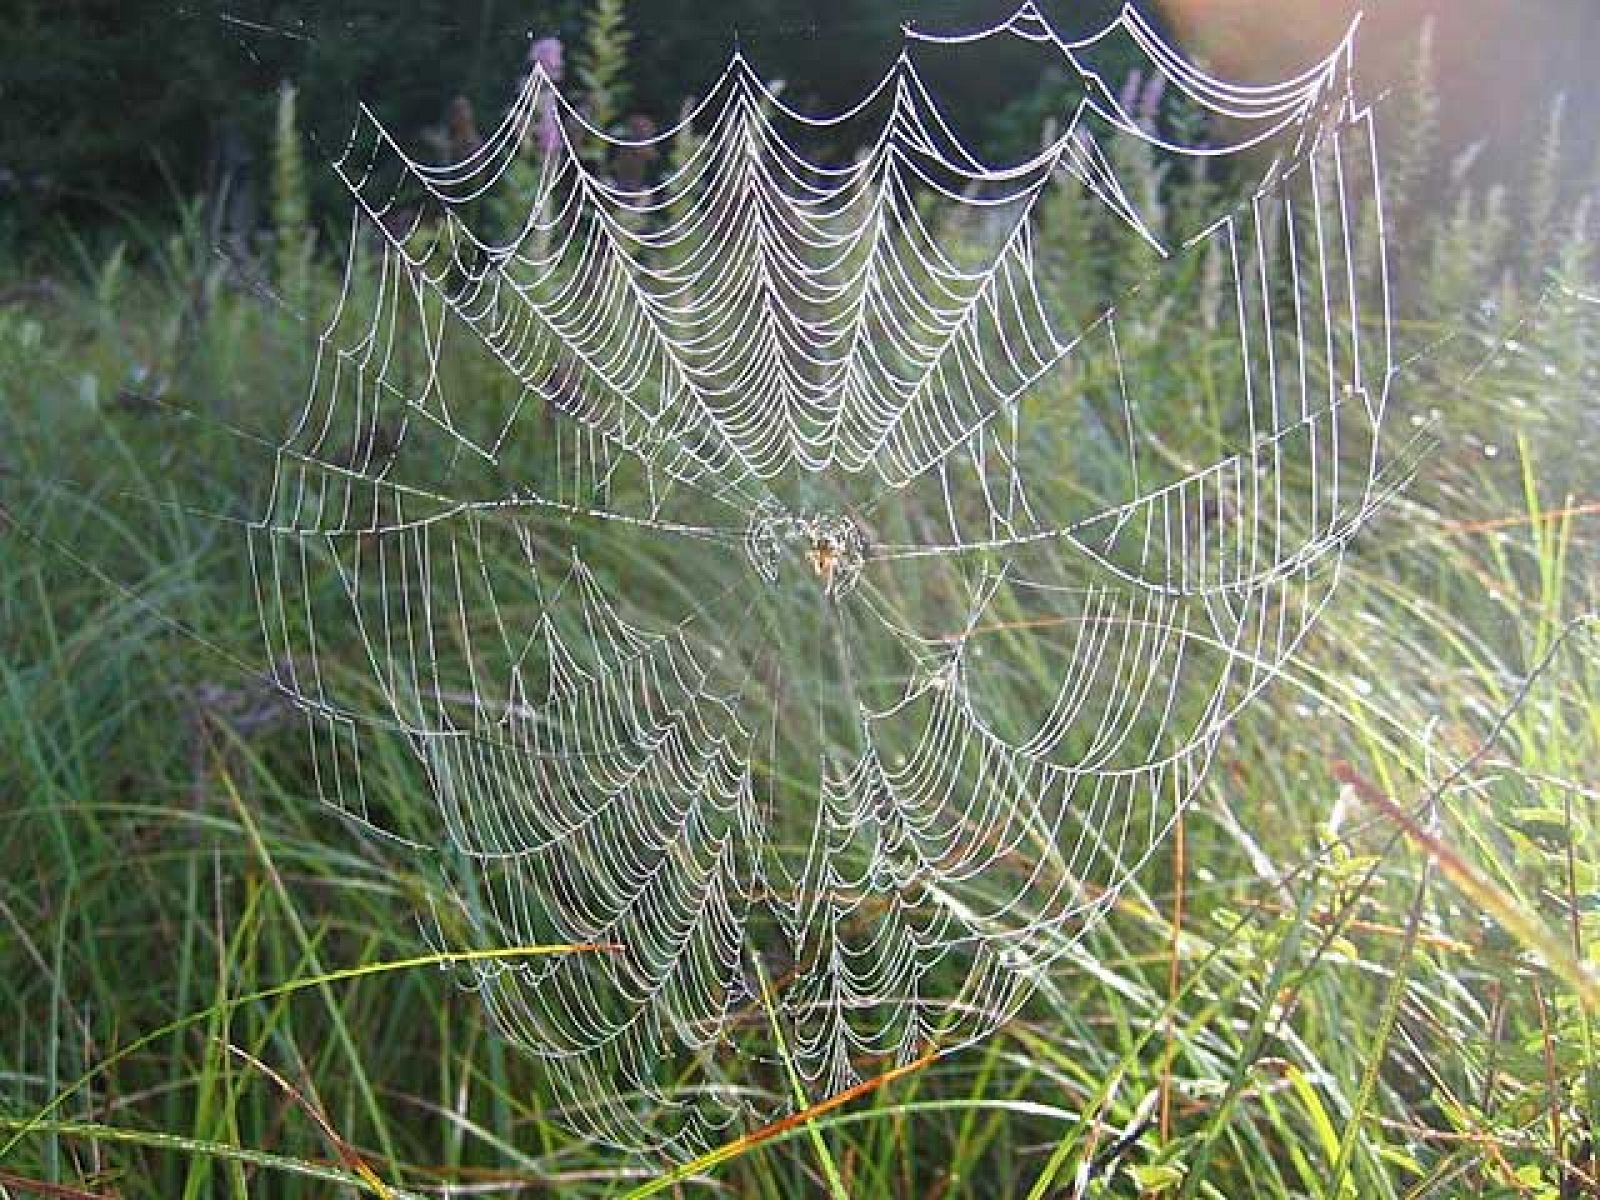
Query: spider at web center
[{"x": 830, "y": 544}]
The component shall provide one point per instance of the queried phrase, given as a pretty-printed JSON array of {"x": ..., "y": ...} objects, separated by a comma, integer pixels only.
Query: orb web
[{"x": 775, "y": 572}]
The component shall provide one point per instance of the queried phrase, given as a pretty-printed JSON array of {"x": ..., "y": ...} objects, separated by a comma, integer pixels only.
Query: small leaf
[
  {"x": 1352, "y": 867},
  {"x": 1155, "y": 1179},
  {"x": 1542, "y": 824}
]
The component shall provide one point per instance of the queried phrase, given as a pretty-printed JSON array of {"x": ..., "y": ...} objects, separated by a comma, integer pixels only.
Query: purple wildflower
[
  {"x": 546, "y": 55},
  {"x": 1128, "y": 97},
  {"x": 1140, "y": 99},
  {"x": 1149, "y": 113}
]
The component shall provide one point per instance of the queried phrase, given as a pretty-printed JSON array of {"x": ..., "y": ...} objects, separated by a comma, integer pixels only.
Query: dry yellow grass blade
[{"x": 776, "y": 1129}]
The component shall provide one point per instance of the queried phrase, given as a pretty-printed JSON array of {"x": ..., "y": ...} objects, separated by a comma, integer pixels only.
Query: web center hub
[{"x": 830, "y": 544}]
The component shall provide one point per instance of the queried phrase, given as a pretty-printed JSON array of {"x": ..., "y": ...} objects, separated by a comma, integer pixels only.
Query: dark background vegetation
[
  {"x": 110, "y": 104},
  {"x": 112, "y": 107}
]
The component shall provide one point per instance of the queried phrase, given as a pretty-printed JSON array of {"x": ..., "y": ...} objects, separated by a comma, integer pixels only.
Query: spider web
[{"x": 738, "y": 559}]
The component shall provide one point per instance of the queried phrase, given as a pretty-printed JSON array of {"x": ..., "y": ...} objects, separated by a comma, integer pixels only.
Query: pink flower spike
[{"x": 547, "y": 53}]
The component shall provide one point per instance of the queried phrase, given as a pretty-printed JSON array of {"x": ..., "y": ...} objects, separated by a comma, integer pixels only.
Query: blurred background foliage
[{"x": 112, "y": 106}]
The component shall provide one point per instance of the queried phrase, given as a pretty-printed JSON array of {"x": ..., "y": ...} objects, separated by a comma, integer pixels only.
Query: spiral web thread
[{"x": 773, "y": 377}]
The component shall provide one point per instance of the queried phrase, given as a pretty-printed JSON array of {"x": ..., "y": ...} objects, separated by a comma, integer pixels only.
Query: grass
[{"x": 1365, "y": 969}]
